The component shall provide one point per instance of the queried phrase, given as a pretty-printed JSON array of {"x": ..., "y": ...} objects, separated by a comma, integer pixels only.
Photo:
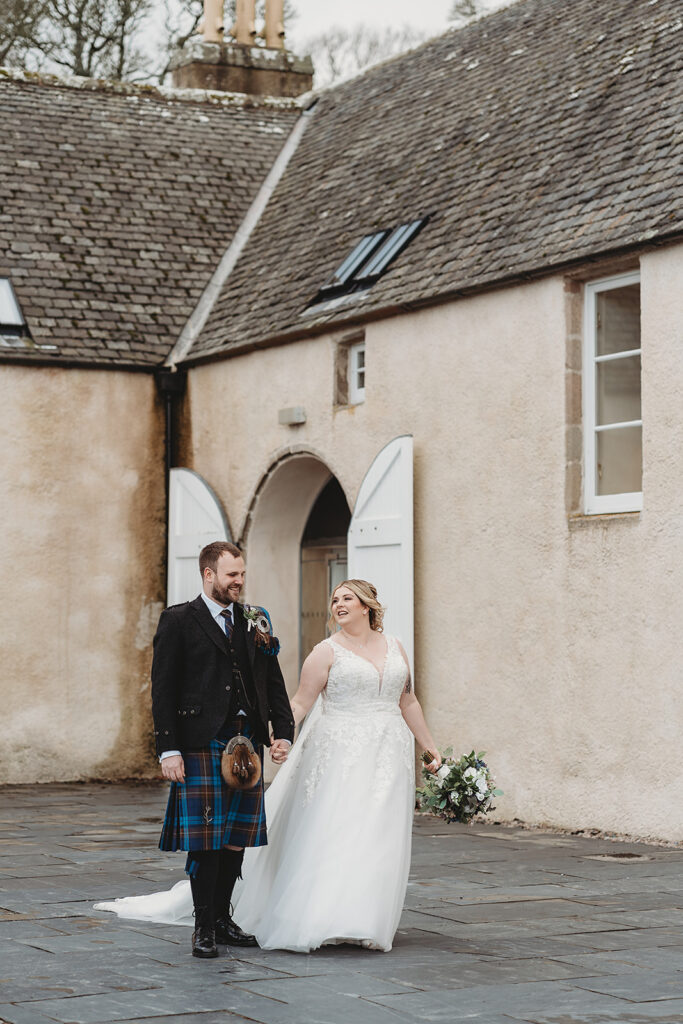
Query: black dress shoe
[
  {"x": 204, "y": 942},
  {"x": 230, "y": 934}
]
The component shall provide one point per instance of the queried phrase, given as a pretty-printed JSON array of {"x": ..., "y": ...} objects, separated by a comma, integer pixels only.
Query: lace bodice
[{"x": 355, "y": 685}]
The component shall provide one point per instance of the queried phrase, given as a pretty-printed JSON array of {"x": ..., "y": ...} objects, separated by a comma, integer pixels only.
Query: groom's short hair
[{"x": 209, "y": 555}]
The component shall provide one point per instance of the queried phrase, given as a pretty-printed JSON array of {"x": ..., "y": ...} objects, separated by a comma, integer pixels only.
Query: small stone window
[
  {"x": 350, "y": 370},
  {"x": 357, "y": 373}
]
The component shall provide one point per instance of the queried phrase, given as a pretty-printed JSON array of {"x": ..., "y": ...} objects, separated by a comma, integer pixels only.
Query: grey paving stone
[
  {"x": 637, "y": 986},
  {"x": 669, "y": 1012},
  {"x": 657, "y": 918},
  {"x": 62, "y": 944},
  {"x": 238, "y": 1000},
  {"x": 547, "y": 947},
  {"x": 518, "y": 894},
  {"x": 499, "y": 923},
  {"x": 633, "y": 901},
  {"x": 63, "y": 982},
  {"x": 660, "y": 958},
  {"x": 634, "y": 938},
  {"x": 26, "y": 929},
  {"x": 491, "y": 972},
  {"x": 221, "y": 1017},
  {"x": 22, "y": 1013},
  {"x": 303, "y": 991},
  {"x": 516, "y": 910},
  {"x": 526, "y": 1001}
]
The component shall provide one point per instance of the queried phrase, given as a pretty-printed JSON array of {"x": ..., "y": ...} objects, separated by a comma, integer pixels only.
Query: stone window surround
[
  {"x": 574, "y": 291},
  {"x": 343, "y": 392}
]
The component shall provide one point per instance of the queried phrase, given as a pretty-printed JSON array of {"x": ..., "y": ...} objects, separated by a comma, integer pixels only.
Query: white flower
[{"x": 469, "y": 774}]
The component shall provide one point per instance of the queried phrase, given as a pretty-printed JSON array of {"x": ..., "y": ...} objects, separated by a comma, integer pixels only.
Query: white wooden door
[
  {"x": 380, "y": 539},
  {"x": 195, "y": 518}
]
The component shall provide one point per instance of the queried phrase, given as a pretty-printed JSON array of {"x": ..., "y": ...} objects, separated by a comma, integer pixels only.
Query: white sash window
[
  {"x": 613, "y": 426},
  {"x": 357, "y": 373}
]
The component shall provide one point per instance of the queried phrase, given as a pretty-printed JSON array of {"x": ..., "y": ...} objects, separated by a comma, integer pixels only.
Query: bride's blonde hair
[{"x": 367, "y": 595}]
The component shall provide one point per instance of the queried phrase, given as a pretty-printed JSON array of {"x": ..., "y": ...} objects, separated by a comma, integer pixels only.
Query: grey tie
[{"x": 227, "y": 622}]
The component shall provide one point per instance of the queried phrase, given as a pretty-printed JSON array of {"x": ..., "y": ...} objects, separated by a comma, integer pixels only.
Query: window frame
[
  {"x": 356, "y": 392},
  {"x": 17, "y": 322},
  {"x": 601, "y": 504}
]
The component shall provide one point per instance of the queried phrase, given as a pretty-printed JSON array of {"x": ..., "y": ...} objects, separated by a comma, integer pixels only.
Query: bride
[{"x": 340, "y": 810}]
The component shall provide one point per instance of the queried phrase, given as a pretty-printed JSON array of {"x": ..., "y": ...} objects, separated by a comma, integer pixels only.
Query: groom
[{"x": 215, "y": 674}]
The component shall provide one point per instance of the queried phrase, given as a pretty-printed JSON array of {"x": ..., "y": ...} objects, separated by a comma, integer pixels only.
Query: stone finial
[
  {"x": 274, "y": 28},
  {"x": 244, "y": 29},
  {"x": 211, "y": 26}
]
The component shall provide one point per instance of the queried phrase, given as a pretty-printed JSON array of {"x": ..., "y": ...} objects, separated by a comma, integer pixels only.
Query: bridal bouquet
[{"x": 461, "y": 788}]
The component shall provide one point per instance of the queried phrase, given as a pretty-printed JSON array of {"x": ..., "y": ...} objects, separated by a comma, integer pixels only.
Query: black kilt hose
[{"x": 203, "y": 813}]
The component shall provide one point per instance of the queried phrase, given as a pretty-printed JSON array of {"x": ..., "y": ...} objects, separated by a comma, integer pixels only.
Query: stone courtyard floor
[{"x": 501, "y": 925}]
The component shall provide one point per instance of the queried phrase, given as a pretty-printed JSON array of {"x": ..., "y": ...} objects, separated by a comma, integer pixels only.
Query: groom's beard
[{"x": 225, "y": 595}]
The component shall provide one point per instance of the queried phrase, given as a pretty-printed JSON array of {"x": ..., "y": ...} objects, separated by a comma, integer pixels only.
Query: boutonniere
[{"x": 261, "y": 628}]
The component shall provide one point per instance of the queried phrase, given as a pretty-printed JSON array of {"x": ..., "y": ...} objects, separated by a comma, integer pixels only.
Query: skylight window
[
  {"x": 368, "y": 260},
  {"x": 10, "y": 315},
  {"x": 349, "y": 268},
  {"x": 388, "y": 251}
]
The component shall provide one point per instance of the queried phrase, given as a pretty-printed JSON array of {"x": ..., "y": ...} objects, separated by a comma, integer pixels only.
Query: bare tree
[
  {"x": 20, "y": 26},
  {"x": 85, "y": 37},
  {"x": 340, "y": 53},
  {"x": 120, "y": 39}
]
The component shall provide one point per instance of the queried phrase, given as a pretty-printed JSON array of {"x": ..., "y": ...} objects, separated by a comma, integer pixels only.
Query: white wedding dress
[{"x": 339, "y": 818}]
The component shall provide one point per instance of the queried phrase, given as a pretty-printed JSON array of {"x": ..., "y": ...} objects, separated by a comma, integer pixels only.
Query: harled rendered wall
[
  {"x": 81, "y": 571},
  {"x": 550, "y": 640}
]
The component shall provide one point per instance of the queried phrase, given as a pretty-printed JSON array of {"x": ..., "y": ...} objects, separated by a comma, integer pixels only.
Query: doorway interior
[{"x": 323, "y": 561}]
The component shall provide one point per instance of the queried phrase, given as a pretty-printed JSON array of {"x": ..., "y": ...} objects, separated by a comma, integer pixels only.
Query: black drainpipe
[{"x": 171, "y": 388}]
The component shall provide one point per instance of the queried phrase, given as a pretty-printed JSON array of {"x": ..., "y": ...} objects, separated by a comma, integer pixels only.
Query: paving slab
[{"x": 502, "y": 926}]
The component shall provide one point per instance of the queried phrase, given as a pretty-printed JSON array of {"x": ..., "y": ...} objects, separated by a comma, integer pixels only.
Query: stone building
[{"x": 395, "y": 325}]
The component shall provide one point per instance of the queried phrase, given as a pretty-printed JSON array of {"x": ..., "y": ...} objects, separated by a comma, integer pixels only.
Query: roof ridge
[
  {"x": 160, "y": 92},
  {"x": 431, "y": 40}
]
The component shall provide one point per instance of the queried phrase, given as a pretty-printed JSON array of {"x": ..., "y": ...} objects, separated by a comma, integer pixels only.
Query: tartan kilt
[{"x": 204, "y": 814}]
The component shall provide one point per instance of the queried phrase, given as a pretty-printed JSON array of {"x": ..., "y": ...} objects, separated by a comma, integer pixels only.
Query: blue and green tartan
[{"x": 204, "y": 814}]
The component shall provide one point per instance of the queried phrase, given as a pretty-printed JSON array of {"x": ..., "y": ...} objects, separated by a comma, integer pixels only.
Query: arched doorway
[
  {"x": 323, "y": 561},
  {"x": 295, "y": 542}
]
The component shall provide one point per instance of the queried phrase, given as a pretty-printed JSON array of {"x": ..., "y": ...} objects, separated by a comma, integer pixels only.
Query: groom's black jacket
[{"x": 192, "y": 681}]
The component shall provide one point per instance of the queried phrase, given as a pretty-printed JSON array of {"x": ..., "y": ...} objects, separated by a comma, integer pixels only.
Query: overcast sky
[{"x": 315, "y": 16}]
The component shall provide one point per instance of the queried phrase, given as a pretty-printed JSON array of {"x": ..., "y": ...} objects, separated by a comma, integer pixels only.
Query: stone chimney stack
[{"x": 238, "y": 64}]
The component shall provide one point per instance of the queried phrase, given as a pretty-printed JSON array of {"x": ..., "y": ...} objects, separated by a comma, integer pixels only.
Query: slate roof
[
  {"x": 543, "y": 134},
  {"x": 116, "y": 204}
]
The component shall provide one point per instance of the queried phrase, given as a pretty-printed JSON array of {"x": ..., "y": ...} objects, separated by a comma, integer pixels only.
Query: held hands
[
  {"x": 173, "y": 768},
  {"x": 279, "y": 750}
]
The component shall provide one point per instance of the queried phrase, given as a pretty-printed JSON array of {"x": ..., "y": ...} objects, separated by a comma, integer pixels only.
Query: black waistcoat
[{"x": 243, "y": 694}]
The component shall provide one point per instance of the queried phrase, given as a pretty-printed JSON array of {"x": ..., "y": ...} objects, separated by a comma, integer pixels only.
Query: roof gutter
[{"x": 200, "y": 314}]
